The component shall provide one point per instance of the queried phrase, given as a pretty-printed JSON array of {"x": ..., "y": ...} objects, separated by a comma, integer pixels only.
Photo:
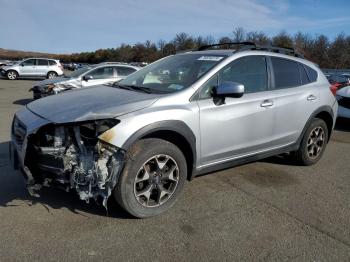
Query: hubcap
[
  {"x": 156, "y": 181},
  {"x": 315, "y": 142},
  {"x": 51, "y": 75}
]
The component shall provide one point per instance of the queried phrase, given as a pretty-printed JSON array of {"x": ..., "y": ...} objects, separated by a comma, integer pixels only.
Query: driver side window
[
  {"x": 251, "y": 71},
  {"x": 102, "y": 73},
  {"x": 29, "y": 62}
]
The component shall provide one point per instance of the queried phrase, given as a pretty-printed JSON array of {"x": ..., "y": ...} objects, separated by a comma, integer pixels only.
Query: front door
[
  {"x": 28, "y": 68},
  {"x": 240, "y": 126},
  {"x": 101, "y": 75}
]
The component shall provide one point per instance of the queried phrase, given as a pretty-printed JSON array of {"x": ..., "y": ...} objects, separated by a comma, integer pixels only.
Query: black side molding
[{"x": 176, "y": 126}]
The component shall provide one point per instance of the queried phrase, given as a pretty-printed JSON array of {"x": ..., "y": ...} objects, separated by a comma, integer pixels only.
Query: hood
[
  {"x": 345, "y": 91},
  {"x": 98, "y": 102},
  {"x": 51, "y": 81}
]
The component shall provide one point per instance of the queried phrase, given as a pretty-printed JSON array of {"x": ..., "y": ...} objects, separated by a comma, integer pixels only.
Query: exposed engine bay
[{"x": 72, "y": 156}]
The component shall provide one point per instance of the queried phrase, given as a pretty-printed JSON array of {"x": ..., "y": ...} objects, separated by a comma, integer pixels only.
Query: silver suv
[
  {"x": 99, "y": 74},
  {"x": 33, "y": 67},
  {"x": 184, "y": 115}
]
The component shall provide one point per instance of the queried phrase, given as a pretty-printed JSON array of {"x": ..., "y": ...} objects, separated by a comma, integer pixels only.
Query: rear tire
[
  {"x": 51, "y": 75},
  {"x": 152, "y": 179},
  {"x": 11, "y": 75},
  {"x": 313, "y": 143}
]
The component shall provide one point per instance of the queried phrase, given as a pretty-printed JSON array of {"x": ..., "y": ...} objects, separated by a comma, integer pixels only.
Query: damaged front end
[{"x": 73, "y": 156}]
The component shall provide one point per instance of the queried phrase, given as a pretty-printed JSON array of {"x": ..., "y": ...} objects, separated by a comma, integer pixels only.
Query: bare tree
[
  {"x": 282, "y": 40},
  {"x": 238, "y": 34},
  {"x": 258, "y": 37}
]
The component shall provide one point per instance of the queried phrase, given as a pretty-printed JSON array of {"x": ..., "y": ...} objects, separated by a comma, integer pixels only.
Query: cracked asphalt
[{"x": 265, "y": 211}]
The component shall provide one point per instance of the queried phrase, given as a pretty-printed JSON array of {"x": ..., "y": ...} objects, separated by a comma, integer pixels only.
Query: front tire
[
  {"x": 11, "y": 75},
  {"x": 313, "y": 143},
  {"x": 152, "y": 179},
  {"x": 51, "y": 75}
]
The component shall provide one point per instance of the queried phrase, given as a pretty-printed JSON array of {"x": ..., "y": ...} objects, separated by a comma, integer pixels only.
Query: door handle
[
  {"x": 266, "y": 103},
  {"x": 311, "y": 98}
]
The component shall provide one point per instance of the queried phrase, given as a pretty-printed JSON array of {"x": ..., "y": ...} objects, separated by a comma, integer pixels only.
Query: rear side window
[
  {"x": 303, "y": 75},
  {"x": 124, "y": 71},
  {"x": 42, "y": 62},
  {"x": 52, "y": 63},
  {"x": 312, "y": 74},
  {"x": 286, "y": 73}
]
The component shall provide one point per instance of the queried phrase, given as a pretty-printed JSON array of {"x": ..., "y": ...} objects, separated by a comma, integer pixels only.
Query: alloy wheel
[
  {"x": 156, "y": 181},
  {"x": 315, "y": 142},
  {"x": 11, "y": 75},
  {"x": 51, "y": 75}
]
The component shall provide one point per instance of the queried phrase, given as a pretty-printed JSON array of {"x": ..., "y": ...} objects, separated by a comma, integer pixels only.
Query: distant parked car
[
  {"x": 139, "y": 64},
  {"x": 87, "y": 76},
  {"x": 73, "y": 66},
  {"x": 33, "y": 67},
  {"x": 343, "y": 97},
  {"x": 338, "y": 80}
]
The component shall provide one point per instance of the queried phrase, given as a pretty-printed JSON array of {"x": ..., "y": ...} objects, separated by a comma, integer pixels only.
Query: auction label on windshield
[{"x": 210, "y": 58}]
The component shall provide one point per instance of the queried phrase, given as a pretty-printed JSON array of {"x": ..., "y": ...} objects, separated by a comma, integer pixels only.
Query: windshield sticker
[
  {"x": 210, "y": 58},
  {"x": 175, "y": 86}
]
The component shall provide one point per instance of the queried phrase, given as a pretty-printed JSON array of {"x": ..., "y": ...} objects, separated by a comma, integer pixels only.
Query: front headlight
[
  {"x": 49, "y": 87},
  {"x": 62, "y": 87}
]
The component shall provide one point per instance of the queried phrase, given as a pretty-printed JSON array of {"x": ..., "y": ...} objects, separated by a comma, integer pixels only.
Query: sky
[{"x": 67, "y": 26}]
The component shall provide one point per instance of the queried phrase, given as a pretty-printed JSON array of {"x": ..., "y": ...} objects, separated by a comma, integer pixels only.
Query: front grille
[
  {"x": 344, "y": 102},
  {"x": 18, "y": 130}
]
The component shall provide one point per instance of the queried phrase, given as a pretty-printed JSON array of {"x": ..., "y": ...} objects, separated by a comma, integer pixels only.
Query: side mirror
[
  {"x": 22, "y": 64},
  {"x": 229, "y": 89},
  {"x": 87, "y": 78}
]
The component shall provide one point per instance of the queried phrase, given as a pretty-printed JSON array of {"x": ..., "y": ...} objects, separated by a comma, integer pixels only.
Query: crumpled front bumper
[
  {"x": 91, "y": 169},
  {"x": 2, "y": 72},
  {"x": 40, "y": 92}
]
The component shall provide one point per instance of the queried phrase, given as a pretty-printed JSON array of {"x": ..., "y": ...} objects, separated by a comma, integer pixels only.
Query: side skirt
[{"x": 245, "y": 160}]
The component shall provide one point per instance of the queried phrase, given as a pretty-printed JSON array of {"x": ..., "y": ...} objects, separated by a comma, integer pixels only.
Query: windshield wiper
[
  {"x": 132, "y": 87},
  {"x": 142, "y": 88}
]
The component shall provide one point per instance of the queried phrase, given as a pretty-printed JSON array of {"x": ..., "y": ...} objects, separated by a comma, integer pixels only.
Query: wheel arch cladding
[
  {"x": 174, "y": 131},
  {"x": 328, "y": 118},
  {"x": 326, "y": 114}
]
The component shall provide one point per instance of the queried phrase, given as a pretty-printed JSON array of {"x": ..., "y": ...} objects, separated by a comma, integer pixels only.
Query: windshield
[
  {"x": 173, "y": 73},
  {"x": 79, "y": 72}
]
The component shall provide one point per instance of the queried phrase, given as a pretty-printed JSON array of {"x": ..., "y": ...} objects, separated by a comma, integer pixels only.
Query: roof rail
[
  {"x": 205, "y": 47},
  {"x": 282, "y": 50},
  {"x": 242, "y": 46}
]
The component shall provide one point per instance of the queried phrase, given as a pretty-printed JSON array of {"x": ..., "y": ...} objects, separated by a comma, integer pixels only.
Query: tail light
[{"x": 334, "y": 89}]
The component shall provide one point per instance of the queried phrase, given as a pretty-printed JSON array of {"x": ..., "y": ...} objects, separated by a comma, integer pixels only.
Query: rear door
[
  {"x": 28, "y": 67},
  {"x": 295, "y": 97},
  {"x": 241, "y": 126},
  {"x": 100, "y": 75},
  {"x": 42, "y": 67}
]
